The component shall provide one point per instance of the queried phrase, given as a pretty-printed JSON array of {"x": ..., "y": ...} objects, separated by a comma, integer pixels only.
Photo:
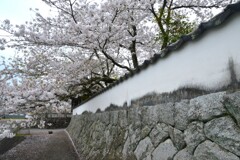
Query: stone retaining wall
[{"x": 202, "y": 128}]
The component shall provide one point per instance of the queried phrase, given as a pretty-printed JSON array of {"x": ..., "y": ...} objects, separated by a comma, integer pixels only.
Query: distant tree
[
  {"x": 172, "y": 16},
  {"x": 175, "y": 25}
]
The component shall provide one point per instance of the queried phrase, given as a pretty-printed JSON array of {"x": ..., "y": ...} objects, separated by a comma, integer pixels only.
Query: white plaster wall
[{"x": 203, "y": 62}]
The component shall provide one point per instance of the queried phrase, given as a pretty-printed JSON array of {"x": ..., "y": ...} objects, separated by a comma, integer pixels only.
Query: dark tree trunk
[{"x": 132, "y": 48}]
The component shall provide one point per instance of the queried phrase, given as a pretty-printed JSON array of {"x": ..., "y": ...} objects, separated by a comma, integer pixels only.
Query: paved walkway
[{"x": 41, "y": 145}]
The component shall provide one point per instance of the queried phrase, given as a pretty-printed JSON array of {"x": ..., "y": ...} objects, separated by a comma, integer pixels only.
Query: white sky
[{"x": 18, "y": 12}]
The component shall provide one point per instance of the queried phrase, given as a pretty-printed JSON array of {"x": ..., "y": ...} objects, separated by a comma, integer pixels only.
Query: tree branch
[
  {"x": 71, "y": 8},
  {"x": 195, "y": 6}
]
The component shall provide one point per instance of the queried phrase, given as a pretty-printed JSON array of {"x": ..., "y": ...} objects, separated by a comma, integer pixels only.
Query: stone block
[
  {"x": 232, "y": 104},
  {"x": 184, "y": 154},
  {"x": 144, "y": 149},
  {"x": 194, "y": 135},
  {"x": 210, "y": 150},
  {"x": 159, "y": 134},
  {"x": 181, "y": 119},
  {"x": 177, "y": 138},
  {"x": 165, "y": 113},
  {"x": 164, "y": 151},
  {"x": 204, "y": 108},
  {"x": 224, "y": 132}
]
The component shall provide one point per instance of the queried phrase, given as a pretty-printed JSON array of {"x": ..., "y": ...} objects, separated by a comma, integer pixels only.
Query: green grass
[
  {"x": 22, "y": 135},
  {"x": 13, "y": 119}
]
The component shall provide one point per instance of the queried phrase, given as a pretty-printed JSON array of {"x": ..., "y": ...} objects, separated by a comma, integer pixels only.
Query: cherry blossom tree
[
  {"x": 87, "y": 45},
  {"x": 111, "y": 28}
]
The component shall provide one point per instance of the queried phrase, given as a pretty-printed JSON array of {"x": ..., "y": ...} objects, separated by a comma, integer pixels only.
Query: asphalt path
[{"x": 43, "y": 145}]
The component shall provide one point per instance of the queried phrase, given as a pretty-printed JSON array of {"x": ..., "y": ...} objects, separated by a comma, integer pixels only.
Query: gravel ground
[{"x": 43, "y": 146}]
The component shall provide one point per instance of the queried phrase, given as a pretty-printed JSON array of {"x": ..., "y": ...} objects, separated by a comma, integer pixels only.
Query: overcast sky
[{"x": 18, "y": 12}]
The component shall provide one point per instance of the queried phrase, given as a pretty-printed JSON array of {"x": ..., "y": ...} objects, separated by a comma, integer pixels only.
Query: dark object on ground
[
  {"x": 8, "y": 143},
  {"x": 50, "y": 132}
]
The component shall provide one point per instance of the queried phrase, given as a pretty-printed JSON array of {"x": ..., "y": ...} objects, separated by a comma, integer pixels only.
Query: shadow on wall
[{"x": 184, "y": 92}]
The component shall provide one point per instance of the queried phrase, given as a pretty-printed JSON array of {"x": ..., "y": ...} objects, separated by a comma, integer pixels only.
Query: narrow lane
[{"x": 41, "y": 145}]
